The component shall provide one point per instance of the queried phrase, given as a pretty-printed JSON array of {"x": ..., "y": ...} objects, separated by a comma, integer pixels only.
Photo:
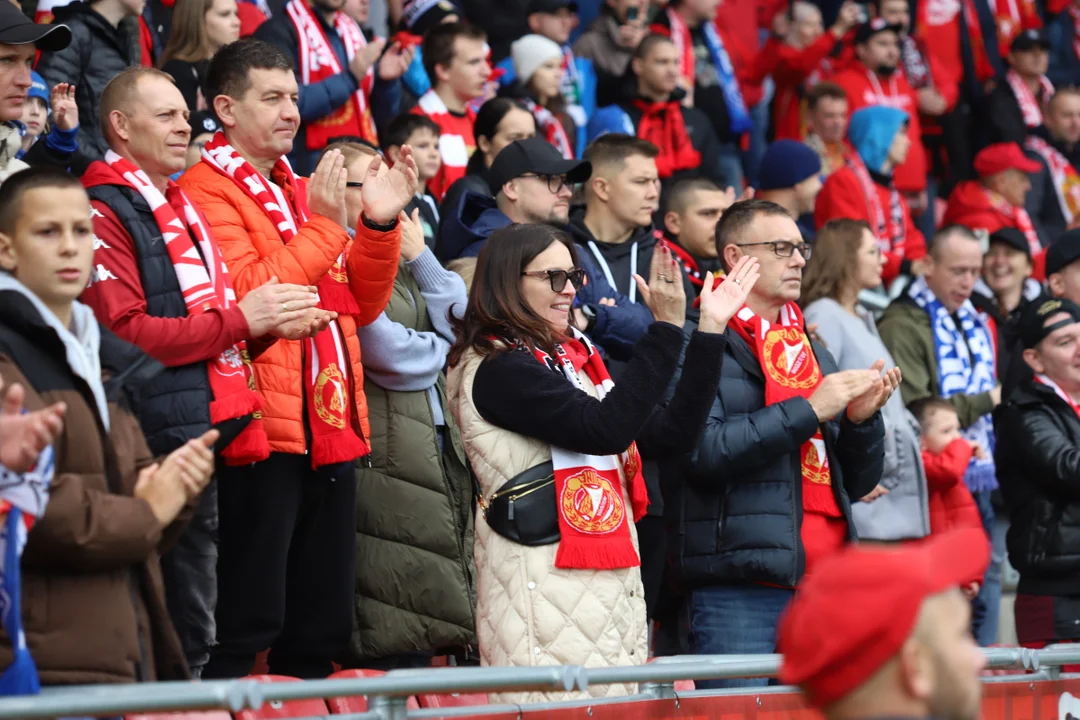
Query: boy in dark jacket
[{"x": 421, "y": 134}]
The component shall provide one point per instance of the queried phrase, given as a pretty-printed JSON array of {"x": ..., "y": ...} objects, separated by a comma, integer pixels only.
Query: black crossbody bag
[{"x": 523, "y": 510}]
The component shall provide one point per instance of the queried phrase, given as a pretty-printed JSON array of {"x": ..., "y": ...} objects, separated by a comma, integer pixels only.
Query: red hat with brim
[
  {"x": 856, "y": 609},
  {"x": 1000, "y": 157}
]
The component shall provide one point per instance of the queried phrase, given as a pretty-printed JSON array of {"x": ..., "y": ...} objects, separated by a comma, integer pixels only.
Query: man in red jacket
[
  {"x": 175, "y": 301},
  {"x": 996, "y": 199},
  {"x": 875, "y": 79}
]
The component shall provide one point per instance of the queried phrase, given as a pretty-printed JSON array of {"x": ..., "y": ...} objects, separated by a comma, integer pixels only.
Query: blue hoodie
[
  {"x": 871, "y": 132},
  {"x": 465, "y": 230}
]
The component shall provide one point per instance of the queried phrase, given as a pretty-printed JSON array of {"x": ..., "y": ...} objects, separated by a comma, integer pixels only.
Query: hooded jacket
[
  {"x": 859, "y": 84},
  {"x": 92, "y": 596},
  {"x": 871, "y": 134},
  {"x": 97, "y": 53},
  {"x": 616, "y": 328}
]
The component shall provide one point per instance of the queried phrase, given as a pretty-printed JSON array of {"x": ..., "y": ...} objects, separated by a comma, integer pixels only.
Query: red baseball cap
[
  {"x": 1000, "y": 157},
  {"x": 856, "y": 609}
]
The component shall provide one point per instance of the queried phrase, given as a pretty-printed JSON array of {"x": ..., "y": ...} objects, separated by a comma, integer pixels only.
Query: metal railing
[{"x": 387, "y": 694}]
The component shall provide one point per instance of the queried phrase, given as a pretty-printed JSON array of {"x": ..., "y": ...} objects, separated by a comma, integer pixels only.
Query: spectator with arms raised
[{"x": 287, "y": 544}]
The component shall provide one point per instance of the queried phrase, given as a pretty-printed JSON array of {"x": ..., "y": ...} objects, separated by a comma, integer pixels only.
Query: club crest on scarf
[
  {"x": 330, "y": 398},
  {"x": 787, "y": 358},
  {"x": 590, "y": 504}
]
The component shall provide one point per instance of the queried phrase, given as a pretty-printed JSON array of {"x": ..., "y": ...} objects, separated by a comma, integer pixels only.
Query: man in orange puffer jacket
[{"x": 287, "y": 524}]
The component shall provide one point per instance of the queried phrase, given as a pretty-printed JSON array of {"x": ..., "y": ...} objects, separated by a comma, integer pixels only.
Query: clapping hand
[
  {"x": 875, "y": 494},
  {"x": 168, "y": 486},
  {"x": 664, "y": 294},
  {"x": 864, "y": 406},
  {"x": 311, "y": 323},
  {"x": 326, "y": 188},
  {"x": 386, "y": 192},
  {"x": 65, "y": 110},
  {"x": 412, "y": 235},
  {"x": 719, "y": 303},
  {"x": 23, "y": 435},
  {"x": 395, "y": 62}
]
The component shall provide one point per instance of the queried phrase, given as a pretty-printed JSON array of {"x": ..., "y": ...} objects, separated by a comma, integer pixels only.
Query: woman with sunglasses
[{"x": 554, "y": 445}]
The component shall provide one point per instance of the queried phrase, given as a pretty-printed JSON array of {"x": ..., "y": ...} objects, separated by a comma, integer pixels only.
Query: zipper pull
[{"x": 510, "y": 512}]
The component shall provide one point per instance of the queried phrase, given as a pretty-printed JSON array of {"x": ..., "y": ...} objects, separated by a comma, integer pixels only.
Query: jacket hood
[
  {"x": 871, "y": 132},
  {"x": 645, "y": 237},
  {"x": 970, "y": 196},
  {"x": 466, "y": 230}
]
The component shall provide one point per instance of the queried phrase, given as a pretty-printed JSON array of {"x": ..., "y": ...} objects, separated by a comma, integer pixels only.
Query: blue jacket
[
  {"x": 322, "y": 98},
  {"x": 616, "y": 329},
  {"x": 586, "y": 95},
  {"x": 1064, "y": 65}
]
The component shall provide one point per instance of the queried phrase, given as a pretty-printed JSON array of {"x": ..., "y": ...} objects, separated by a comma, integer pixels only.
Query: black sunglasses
[{"x": 558, "y": 278}]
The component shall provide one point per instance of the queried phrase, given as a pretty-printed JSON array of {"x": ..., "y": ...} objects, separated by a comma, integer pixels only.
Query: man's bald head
[
  {"x": 120, "y": 94},
  {"x": 144, "y": 120}
]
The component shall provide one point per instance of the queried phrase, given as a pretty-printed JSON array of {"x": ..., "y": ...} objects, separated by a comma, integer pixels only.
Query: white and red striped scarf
[
  {"x": 1029, "y": 104},
  {"x": 890, "y": 230},
  {"x": 318, "y": 62},
  {"x": 1019, "y": 216},
  {"x": 326, "y": 367},
  {"x": 552, "y": 128},
  {"x": 1045, "y": 380},
  {"x": 593, "y": 521},
  {"x": 204, "y": 282},
  {"x": 1066, "y": 179}
]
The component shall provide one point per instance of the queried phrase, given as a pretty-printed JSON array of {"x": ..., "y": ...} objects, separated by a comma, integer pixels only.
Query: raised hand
[
  {"x": 395, "y": 62},
  {"x": 364, "y": 59},
  {"x": 837, "y": 390},
  {"x": 326, "y": 188},
  {"x": 65, "y": 111},
  {"x": 273, "y": 304},
  {"x": 387, "y": 192},
  {"x": 167, "y": 487},
  {"x": 664, "y": 294},
  {"x": 864, "y": 405},
  {"x": 23, "y": 435},
  {"x": 412, "y": 235},
  {"x": 720, "y": 303}
]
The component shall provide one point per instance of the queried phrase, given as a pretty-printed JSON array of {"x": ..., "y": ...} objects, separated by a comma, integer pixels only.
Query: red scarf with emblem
[
  {"x": 205, "y": 285},
  {"x": 318, "y": 62},
  {"x": 1066, "y": 179},
  {"x": 663, "y": 125},
  {"x": 593, "y": 518},
  {"x": 325, "y": 362}
]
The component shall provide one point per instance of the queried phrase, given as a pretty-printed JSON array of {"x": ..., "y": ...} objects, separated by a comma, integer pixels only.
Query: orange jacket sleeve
[{"x": 372, "y": 263}]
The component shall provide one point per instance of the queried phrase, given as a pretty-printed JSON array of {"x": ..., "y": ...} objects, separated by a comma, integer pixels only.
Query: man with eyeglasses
[
  {"x": 945, "y": 348},
  {"x": 765, "y": 495},
  {"x": 534, "y": 184}
]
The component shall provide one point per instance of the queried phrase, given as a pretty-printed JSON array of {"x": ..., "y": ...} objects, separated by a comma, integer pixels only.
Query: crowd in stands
[{"x": 520, "y": 339}]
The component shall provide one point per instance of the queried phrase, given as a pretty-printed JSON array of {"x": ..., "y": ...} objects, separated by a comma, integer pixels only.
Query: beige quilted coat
[{"x": 530, "y": 613}]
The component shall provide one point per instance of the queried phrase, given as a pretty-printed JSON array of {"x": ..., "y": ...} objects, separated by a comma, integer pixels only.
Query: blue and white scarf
[
  {"x": 965, "y": 360},
  {"x": 25, "y": 496}
]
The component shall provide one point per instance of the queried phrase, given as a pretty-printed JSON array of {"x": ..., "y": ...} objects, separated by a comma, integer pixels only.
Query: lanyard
[{"x": 632, "y": 294}]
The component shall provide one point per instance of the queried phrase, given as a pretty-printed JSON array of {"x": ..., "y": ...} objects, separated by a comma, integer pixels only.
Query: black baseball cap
[
  {"x": 550, "y": 6},
  {"x": 1029, "y": 40},
  {"x": 17, "y": 29},
  {"x": 1063, "y": 251},
  {"x": 202, "y": 122},
  {"x": 1033, "y": 327},
  {"x": 1013, "y": 238},
  {"x": 533, "y": 155},
  {"x": 869, "y": 29}
]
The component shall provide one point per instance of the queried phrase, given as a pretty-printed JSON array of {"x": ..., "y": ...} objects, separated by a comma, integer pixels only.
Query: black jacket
[
  {"x": 734, "y": 505},
  {"x": 1042, "y": 200},
  {"x": 97, "y": 53},
  {"x": 1003, "y": 115},
  {"x": 1038, "y": 468},
  {"x": 190, "y": 80}
]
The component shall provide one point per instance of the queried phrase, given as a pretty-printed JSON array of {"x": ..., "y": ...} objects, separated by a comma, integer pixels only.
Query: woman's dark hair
[
  {"x": 486, "y": 126},
  {"x": 497, "y": 309}
]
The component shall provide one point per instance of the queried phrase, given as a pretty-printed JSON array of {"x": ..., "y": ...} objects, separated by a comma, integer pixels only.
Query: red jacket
[
  {"x": 858, "y": 83},
  {"x": 119, "y": 300},
  {"x": 951, "y": 504},
  {"x": 970, "y": 205},
  {"x": 791, "y": 68},
  {"x": 843, "y": 197}
]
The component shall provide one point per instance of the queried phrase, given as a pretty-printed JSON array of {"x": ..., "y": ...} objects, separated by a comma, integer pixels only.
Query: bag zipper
[{"x": 527, "y": 490}]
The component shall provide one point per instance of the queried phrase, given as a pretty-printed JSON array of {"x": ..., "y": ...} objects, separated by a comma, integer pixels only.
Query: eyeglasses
[
  {"x": 555, "y": 183},
  {"x": 350, "y": 184},
  {"x": 558, "y": 278},
  {"x": 783, "y": 248}
]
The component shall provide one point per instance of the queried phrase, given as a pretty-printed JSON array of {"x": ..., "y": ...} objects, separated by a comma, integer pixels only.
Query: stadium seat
[
  {"x": 192, "y": 715},
  {"x": 454, "y": 700},
  {"x": 285, "y": 709},
  {"x": 357, "y": 703}
]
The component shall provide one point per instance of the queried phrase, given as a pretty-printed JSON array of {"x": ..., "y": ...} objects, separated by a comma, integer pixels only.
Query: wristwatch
[{"x": 590, "y": 317}]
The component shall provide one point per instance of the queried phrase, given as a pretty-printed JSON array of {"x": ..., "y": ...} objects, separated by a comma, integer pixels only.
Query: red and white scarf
[
  {"x": 791, "y": 370},
  {"x": 204, "y": 282},
  {"x": 326, "y": 370},
  {"x": 1029, "y": 104},
  {"x": 1045, "y": 380},
  {"x": 1020, "y": 218},
  {"x": 890, "y": 230},
  {"x": 593, "y": 517},
  {"x": 318, "y": 62},
  {"x": 1066, "y": 179},
  {"x": 662, "y": 124},
  {"x": 552, "y": 128}
]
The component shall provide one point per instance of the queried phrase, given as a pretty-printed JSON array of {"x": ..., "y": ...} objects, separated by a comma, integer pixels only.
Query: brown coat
[{"x": 93, "y": 601}]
